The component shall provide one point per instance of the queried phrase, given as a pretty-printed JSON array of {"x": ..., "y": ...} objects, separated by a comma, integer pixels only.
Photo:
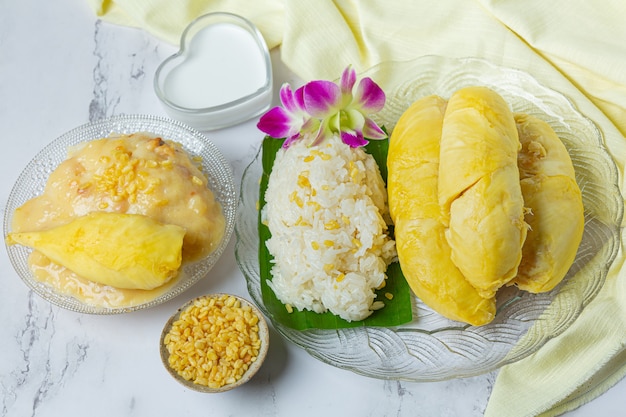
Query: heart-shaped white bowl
[{"x": 221, "y": 76}]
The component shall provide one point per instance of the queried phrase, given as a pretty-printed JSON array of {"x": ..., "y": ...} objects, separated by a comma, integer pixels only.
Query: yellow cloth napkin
[
  {"x": 576, "y": 47},
  {"x": 167, "y": 19}
]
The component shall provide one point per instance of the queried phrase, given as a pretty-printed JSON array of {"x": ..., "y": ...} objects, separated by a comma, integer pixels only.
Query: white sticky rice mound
[{"x": 326, "y": 208}]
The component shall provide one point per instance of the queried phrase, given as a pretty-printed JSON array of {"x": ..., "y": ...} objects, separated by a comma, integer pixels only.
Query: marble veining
[
  {"x": 45, "y": 359},
  {"x": 100, "y": 102},
  {"x": 120, "y": 79}
]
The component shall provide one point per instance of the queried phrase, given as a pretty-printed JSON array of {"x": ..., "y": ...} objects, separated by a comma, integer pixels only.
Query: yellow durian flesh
[
  {"x": 477, "y": 205},
  {"x": 129, "y": 251},
  {"x": 541, "y": 152},
  {"x": 423, "y": 251},
  {"x": 556, "y": 213},
  {"x": 479, "y": 188},
  {"x": 478, "y": 137},
  {"x": 487, "y": 233},
  {"x": 424, "y": 257},
  {"x": 413, "y": 157}
]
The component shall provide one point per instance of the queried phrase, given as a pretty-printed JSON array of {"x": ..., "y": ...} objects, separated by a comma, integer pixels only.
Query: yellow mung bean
[{"x": 214, "y": 341}]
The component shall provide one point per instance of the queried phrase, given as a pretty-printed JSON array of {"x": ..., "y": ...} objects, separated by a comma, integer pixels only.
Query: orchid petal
[
  {"x": 292, "y": 101},
  {"x": 352, "y": 119},
  {"x": 321, "y": 98},
  {"x": 354, "y": 139},
  {"x": 323, "y": 132},
  {"x": 371, "y": 130},
  {"x": 279, "y": 123},
  {"x": 298, "y": 96},
  {"x": 348, "y": 79},
  {"x": 333, "y": 123},
  {"x": 286, "y": 97},
  {"x": 288, "y": 141},
  {"x": 310, "y": 126},
  {"x": 369, "y": 96}
]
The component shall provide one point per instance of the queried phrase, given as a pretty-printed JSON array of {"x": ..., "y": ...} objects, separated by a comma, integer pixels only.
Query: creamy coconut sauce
[{"x": 139, "y": 174}]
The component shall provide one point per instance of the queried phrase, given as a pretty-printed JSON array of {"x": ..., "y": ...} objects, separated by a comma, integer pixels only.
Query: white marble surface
[{"x": 61, "y": 67}]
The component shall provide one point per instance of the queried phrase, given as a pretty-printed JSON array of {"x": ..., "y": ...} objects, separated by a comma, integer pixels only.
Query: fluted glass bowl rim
[
  {"x": 442, "y": 349},
  {"x": 32, "y": 179}
]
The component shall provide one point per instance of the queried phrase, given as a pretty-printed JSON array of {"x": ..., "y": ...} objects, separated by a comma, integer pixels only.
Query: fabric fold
[{"x": 167, "y": 20}]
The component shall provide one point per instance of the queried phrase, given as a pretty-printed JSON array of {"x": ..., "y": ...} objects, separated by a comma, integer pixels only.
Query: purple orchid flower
[
  {"x": 321, "y": 109},
  {"x": 289, "y": 120}
]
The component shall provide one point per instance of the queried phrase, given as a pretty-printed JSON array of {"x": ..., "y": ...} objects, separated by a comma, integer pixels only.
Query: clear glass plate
[
  {"x": 33, "y": 179},
  {"x": 432, "y": 348}
]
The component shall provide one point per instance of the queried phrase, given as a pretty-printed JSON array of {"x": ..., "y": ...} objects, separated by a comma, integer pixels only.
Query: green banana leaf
[{"x": 397, "y": 311}]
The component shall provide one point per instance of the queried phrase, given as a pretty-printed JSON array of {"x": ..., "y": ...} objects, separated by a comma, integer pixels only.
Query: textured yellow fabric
[
  {"x": 576, "y": 47},
  {"x": 166, "y": 19}
]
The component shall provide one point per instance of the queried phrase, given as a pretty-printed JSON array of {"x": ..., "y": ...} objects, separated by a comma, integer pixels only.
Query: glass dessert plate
[
  {"x": 33, "y": 178},
  {"x": 431, "y": 347}
]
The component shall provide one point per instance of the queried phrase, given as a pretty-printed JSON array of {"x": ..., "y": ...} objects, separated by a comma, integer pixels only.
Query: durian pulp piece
[
  {"x": 423, "y": 251},
  {"x": 479, "y": 188},
  {"x": 129, "y": 251},
  {"x": 556, "y": 215}
]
